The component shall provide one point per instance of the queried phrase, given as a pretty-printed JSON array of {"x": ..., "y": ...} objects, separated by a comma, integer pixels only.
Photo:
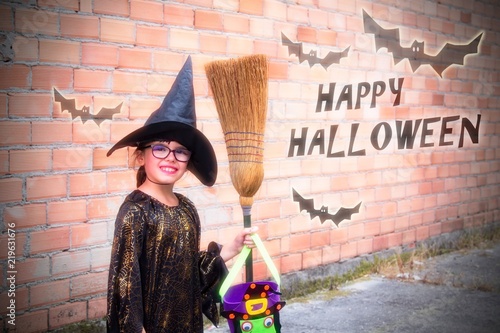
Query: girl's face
[{"x": 165, "y": 162}]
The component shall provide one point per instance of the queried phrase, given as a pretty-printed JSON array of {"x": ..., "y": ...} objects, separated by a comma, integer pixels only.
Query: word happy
[{"x": 409, "y": 134}]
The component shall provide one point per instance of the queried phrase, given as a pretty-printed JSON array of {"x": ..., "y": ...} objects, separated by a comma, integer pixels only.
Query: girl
[{"x": 159, "y": 280}]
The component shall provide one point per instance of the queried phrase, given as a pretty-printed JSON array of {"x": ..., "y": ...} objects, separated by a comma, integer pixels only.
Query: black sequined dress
[{"x": 158, "y": 277}]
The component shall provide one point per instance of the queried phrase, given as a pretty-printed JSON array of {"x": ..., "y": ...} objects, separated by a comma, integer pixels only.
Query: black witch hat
[{"x": 175, "y": 120}]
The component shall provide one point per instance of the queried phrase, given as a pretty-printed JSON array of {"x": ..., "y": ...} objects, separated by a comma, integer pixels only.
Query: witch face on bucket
[{"x": 253, "y": 307}]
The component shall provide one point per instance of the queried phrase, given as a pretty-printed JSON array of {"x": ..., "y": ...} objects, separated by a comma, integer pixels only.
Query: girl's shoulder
[
  {"x": 136, "y": 197},
  {"x": 183, "y": 200},
  {"x": 134, "y": 201}
]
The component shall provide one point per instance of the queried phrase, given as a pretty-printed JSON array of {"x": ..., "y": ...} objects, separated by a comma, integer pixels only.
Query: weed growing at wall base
[{"x": 401, "y": 264}]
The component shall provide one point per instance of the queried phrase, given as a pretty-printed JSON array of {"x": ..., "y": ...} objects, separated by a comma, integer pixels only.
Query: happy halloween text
[{"x": 409, "y": 134}]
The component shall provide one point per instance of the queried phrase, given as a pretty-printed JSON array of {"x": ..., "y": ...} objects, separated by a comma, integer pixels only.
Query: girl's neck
[{"x": 163, "y": 193}]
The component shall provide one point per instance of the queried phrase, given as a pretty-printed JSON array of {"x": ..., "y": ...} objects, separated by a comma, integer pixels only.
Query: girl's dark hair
[{"x": 140, "y": 177}]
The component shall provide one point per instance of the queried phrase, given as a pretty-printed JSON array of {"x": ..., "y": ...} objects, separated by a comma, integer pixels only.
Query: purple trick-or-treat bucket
[{"x": 252, "y": 306}]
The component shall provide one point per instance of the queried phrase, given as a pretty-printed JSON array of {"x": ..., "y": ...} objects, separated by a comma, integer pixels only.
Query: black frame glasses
[{"x": 161, "y": 152}]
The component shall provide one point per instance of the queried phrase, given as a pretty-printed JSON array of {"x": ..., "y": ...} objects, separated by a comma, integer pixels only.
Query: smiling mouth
[{"x": 168, "y": 169}]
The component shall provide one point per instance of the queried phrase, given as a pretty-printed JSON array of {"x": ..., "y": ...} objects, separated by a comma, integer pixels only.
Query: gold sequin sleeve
[{"x": 125, "y": 306}]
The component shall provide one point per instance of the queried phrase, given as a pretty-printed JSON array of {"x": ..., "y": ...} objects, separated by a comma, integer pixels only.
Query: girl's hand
[
  {"x": 247, "y": 239},
  {"x": 235, "y": 247}
]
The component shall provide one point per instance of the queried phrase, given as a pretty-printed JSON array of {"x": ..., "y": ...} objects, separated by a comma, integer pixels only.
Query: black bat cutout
[
  {"x": 450, "y": 54},
  {"x": 323, "y": 214},
  {"x": 84, "y": 114},
  {"x": 312, "y": 57}
]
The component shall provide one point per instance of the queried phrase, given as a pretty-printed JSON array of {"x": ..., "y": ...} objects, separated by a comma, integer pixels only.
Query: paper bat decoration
[
  {"x": 449, "y": 55},
  {"x": 312, "y": 57},
  {"x": 322, "y": 213},
  {"x": 84, "y": 114}
]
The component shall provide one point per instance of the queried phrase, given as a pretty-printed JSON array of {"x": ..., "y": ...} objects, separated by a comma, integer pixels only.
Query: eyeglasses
[{"x": 161, "y": 152}]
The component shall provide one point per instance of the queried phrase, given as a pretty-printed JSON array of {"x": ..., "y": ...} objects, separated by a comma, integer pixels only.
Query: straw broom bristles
[{"x": 239, "y": 88}]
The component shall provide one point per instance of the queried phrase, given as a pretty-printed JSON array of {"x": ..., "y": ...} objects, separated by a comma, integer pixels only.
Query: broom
[{"x": 239, "y": 88}]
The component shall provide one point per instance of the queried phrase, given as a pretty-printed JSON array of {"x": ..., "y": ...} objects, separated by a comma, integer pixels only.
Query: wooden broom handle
[
  {"x": 247, "y": 223},
  {"x": 246, "y": 205}
]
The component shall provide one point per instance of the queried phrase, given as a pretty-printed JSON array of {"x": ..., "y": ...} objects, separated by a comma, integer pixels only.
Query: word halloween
[{"x": 406, "y": 135}]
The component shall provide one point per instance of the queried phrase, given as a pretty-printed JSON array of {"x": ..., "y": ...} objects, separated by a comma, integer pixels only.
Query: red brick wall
[{"x": 60, "y": 193}]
